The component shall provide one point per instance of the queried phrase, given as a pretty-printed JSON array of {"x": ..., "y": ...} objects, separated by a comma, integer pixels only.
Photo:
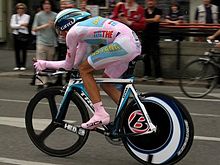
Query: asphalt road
[{"x": 17, "y": 149}]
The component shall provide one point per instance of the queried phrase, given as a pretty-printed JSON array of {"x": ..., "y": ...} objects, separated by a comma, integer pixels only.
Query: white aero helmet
[{"x": 69, "y": 17}]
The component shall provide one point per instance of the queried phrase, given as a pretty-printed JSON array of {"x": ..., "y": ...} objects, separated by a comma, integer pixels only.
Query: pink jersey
[{"x": 120, "y": 46}]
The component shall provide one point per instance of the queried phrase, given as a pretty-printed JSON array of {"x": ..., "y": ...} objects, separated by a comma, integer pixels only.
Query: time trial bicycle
[
  {"x": 200, "y": 76},
  {"x": 154, "y": 128}
]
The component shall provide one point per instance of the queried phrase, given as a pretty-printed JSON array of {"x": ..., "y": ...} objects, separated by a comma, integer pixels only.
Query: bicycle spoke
[
  {"x": 46, "y": 132},
  {"x": 53, "y": 106}
]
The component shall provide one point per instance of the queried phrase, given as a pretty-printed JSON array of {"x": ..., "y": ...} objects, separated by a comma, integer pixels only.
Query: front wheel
[
  {"x": 49, "y": 136},
  {"x": 198, "y": 78},
  {"x": 174, "y": 135}
]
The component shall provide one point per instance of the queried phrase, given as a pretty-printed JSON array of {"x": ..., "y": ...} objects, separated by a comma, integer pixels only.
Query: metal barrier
[{"x": 186, "y": 30}]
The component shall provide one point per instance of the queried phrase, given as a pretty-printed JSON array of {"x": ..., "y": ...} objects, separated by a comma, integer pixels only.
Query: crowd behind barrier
[
  {"x": 178, "y": 31},
  {"x": 186, "y": 30}
]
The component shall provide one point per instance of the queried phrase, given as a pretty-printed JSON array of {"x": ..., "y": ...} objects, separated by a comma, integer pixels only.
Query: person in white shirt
[{"x": 19, "y": 24}]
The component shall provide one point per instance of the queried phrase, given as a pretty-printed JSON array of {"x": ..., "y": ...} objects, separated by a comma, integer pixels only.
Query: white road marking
[
  {"x": 205, "y": 115},
  {"x": 12, "y": 121},
  {"x": 22, "y": 162},
  {"x": 41, "y": 123},
  {"x": 215, "y": 95},
  {"x": 185, "y": 98},
  {"x": 113, "y": 108},
  {"x": 104, "y": 94},
  {"x": 204, "y": 138},
  {"x": 16, "y": 101},
  {"x": 198, "y": 99},
  {"x": 20, "y": 123}
]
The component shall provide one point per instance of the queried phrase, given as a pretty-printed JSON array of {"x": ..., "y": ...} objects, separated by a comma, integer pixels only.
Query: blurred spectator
[
  {"x": 19, "y": 24},
  {"x": 83, "y": 6},
  {"x": 215, "y": 36},
  {"x": 46, "y": 36},
  {"x": 175, "y": 16},
  {"x": 150, "y": 41},
  {"x": 32, "y": 41},
  {"x": 64, "y": 4},
  {"x": 207, "y": 13},
  {"x": 129, "y": 13}
]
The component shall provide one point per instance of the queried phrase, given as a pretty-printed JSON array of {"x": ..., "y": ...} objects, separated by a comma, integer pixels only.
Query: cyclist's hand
[
  {"x": 210, "y": 37},
  {"x": 40, "y": 65}
]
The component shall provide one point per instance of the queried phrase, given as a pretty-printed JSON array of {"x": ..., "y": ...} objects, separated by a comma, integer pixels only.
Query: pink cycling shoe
[{"x": 98, "y": 119}]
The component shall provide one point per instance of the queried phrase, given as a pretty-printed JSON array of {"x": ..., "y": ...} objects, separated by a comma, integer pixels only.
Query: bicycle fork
[{"x": 143, "y": 109}]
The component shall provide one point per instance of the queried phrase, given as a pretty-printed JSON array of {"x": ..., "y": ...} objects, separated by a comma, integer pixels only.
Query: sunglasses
[{"x": 20, "y": 8}]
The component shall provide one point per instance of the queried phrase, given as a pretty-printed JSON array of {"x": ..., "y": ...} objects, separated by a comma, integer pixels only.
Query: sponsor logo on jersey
[
  {"x": 109, "y": 48},
  {"x": 103, "y": 34},
  {"x": 113, "y": 23},
  {"x": 97, "y": 20}
]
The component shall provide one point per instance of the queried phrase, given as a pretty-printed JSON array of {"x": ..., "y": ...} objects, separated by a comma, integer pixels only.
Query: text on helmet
[{"x": 69, "y": 24}]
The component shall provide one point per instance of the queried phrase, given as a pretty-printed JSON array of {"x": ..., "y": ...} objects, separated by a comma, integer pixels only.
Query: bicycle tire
[
  {"x": 175, "y": 131},
  {"x": 39, "y": 116},
  {"x": 198, "y": 78}
]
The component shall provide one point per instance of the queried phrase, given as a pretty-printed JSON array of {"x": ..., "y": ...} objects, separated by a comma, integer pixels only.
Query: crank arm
[
  {"x": 73, "y": 128},
  {"x": 134, "y": 134}
]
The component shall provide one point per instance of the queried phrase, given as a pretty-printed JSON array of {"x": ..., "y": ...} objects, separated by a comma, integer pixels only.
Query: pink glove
[{"x": 40, "y": 65}]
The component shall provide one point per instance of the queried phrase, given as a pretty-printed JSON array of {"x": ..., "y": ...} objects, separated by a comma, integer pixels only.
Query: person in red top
[{"x": 131, "y": 14}]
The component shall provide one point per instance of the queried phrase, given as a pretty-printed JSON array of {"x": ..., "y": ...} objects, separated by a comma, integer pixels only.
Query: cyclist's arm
[
  {"x": 68, "y": 63},
  {"x": 216, "y": 34},
  {"x": 81, "y": 54}
]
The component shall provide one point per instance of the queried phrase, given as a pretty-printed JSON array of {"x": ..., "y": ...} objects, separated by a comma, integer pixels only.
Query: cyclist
[
  {"x": 121, "y": 45},
  {"x": 215, "y": 35}
]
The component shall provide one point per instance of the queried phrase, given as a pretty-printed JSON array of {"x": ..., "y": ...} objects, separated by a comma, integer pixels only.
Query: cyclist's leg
[
  {"x": 87, "y": 76},
  {"x": 111, "y": 90},
  {"x": 100, "y": 117},
  {"x": 114, "y": 58},
  {"x": 107, "y": 57}
]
